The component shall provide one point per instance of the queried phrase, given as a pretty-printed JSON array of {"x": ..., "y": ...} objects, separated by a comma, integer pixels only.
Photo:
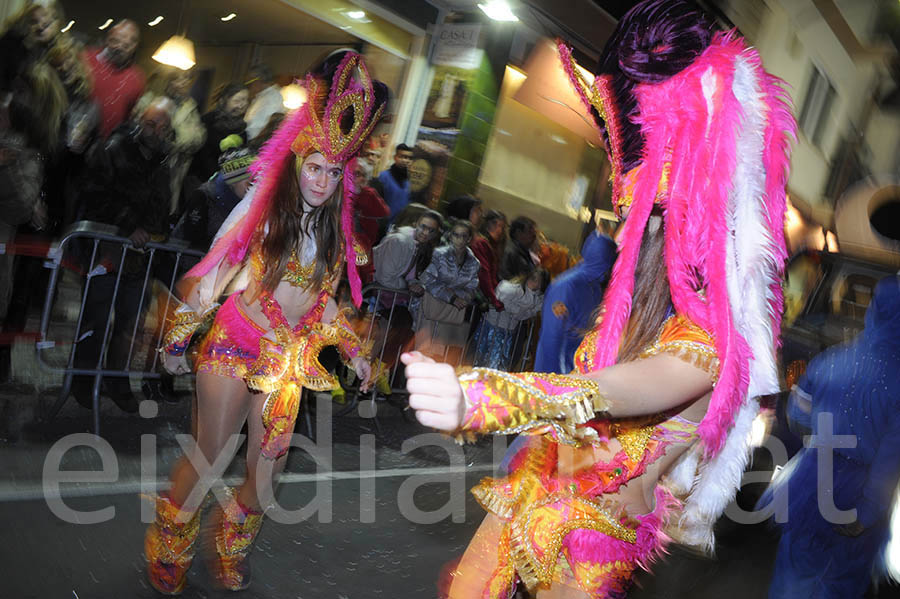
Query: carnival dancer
[
  {"x": 648, "y": 438},
  {"x": 294, "y": 232}
]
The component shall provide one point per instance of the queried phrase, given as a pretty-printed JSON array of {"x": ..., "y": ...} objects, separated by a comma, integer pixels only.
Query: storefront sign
[{"x": 457, "y": 46}]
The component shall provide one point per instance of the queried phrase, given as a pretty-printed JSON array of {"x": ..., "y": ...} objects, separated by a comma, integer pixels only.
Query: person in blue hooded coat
[
  {"x": 570, "y": 302},
  {"x": 853, "y": 390}
]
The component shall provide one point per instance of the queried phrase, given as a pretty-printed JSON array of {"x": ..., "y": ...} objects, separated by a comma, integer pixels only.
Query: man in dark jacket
[
  {"x": 517, "y": 254},
  {"x": 212, "y": 202},
  {"x": 127, "y": 186}
]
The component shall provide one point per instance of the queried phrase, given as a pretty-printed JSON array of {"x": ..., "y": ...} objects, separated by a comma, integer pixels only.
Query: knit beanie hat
[{"x": 235, "y": 160}]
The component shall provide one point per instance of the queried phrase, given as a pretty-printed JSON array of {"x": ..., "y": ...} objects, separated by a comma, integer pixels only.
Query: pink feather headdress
[
  {"x": 715, "y": 157},
  {"x": 315, "y": 127}
]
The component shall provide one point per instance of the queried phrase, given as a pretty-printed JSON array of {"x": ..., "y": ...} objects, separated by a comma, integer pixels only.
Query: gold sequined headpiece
[{"x": 340, "y": 115}]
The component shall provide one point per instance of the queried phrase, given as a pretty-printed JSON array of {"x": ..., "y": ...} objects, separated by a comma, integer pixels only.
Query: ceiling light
[
  {"x": 356, "y": 15},
  {"x": 498, "y": 10},
  {"x": 67, "y": 27},
  {"x": 105, "y": 25},
  {"x": 177, "y": 52},
  {"x": 293, "y": 96},
  {"x": 228, "y": 17},
  {"x": 155, "y": 21}
]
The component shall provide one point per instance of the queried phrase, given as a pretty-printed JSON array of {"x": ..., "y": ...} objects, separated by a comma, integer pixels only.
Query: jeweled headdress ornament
[
  {"x": 343, "y": 105},
  {"x": 694, "y": 124}
]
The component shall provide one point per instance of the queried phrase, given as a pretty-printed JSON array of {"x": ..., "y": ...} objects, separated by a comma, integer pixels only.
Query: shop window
[{"x": 817, "y": 105}]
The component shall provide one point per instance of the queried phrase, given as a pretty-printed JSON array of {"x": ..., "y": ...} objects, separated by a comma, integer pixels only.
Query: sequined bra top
[{"x": 295, "y": 274}]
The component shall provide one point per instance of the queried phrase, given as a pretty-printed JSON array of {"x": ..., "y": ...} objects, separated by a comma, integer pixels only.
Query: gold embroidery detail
[
  {"x": 634, "y": 440},
  {"x": 298, "y": 275},
  {"x": 681, "y": 338}
]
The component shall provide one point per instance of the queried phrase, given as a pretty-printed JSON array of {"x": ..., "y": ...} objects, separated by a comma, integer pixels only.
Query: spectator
[
  {"x": 212, "y": 202},
  {"x": 466, "y": 207},
  {"x": 128, "y": 187},
  {"x": 497, "y": 335},
  {"x": 570, "y": 304},
  {"x": 487, "y": 247},
  {"x": 403, "y": 255},
  {"x": 263, "y": 136},
  {"x": 227, "y": 118},
  {"x": 393, "y": 184},
  {"x": 267, "y": 99},
  {"x": 32, "y": 107},
  {"x": 850, "y": 392},
  {"x": 82, "y": 120},
  {"x": 190, "y": 133},
  {"x": 368, "y": 208},
  {"x": 118, "y": 82},
  {"x": 449, "y": 283},
  {"x": 517, "y": 259}
]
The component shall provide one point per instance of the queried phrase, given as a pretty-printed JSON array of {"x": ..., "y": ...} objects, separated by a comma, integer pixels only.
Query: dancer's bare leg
[
  {"x": 478, "y": 562},
  {"x": 222, "y": 407},
  {"x": 258, "y": 489}
]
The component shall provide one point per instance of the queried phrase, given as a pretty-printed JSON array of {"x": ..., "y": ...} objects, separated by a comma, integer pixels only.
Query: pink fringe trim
[{"x": 593, "y": 546}]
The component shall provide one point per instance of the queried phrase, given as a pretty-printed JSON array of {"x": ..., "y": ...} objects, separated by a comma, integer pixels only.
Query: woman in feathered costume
[
  {"x": 290, "y": 238},
  {"x": 648, "y": 438}
]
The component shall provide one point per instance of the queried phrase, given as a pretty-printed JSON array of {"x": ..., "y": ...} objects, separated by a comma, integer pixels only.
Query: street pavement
[{"x": 374, "y": 538}]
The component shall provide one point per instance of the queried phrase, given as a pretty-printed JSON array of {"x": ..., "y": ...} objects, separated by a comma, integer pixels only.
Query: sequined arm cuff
[
  {"x": 504, "y": 403},
  {"x": 181, "y": 326},
  {"x": 349, "y": 344}
]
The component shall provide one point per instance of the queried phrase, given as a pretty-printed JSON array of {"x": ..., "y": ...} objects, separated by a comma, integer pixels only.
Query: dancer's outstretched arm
[{"x": 491, "y": 401}]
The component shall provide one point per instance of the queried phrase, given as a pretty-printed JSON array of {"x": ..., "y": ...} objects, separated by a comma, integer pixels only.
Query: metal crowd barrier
[
  {"x": 380, "y": 311},
  {"x": 111, "y": 266},
  {"x": 103, "y": 257}
]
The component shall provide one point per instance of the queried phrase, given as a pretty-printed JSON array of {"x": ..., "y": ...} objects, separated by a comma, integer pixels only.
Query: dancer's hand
[
  {"x": 175, "y": 364},
  {"x": 363, "y": 371},
  {"x": 434, "y": 392}
]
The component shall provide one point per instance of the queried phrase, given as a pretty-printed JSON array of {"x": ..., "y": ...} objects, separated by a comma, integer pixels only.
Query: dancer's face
[{"x": 318, "y": 179}]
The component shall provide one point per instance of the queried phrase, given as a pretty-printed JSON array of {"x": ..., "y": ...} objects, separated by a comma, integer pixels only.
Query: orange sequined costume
[
  {"x": 279, "y": 360},
  {"x": 550, "y": 509}
]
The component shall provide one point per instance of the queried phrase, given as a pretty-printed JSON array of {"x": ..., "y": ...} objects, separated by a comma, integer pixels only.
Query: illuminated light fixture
[
  {"x": 177, "y": 51},
  {"x": 558, "y": 139},
  {"x": 356, "y": 15},
  {"x": 293, "y": 96},
  {"x": 105, "y": 25},
  {"x": 228, "y": 17},
  {"x": 67, "y": 27},
  {"x": 498, "y": 10},
  {"x": 156, "y": 21}
]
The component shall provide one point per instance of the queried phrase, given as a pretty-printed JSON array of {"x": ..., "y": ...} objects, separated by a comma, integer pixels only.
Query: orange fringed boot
[
  {"x": 234, "y": 529},
  {"x": 169, "y": 546}
]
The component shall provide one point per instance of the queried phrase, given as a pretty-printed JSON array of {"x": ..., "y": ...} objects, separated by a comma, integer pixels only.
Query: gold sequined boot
[
  {"x": 169, "y": 546},
  {"x": 234, "y": 528}
]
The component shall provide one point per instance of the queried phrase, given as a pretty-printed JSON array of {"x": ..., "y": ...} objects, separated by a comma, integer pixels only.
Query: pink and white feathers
[{"x": 721, "y": 127}]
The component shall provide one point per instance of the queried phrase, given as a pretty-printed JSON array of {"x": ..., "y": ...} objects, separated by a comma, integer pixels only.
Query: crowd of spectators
[{"x": 86, "y": 136}]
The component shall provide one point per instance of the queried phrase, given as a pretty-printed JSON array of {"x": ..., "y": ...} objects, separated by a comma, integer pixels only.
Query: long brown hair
[
  {"x": 286, "y": 220},
  {"x": 651, "y": 298}
]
